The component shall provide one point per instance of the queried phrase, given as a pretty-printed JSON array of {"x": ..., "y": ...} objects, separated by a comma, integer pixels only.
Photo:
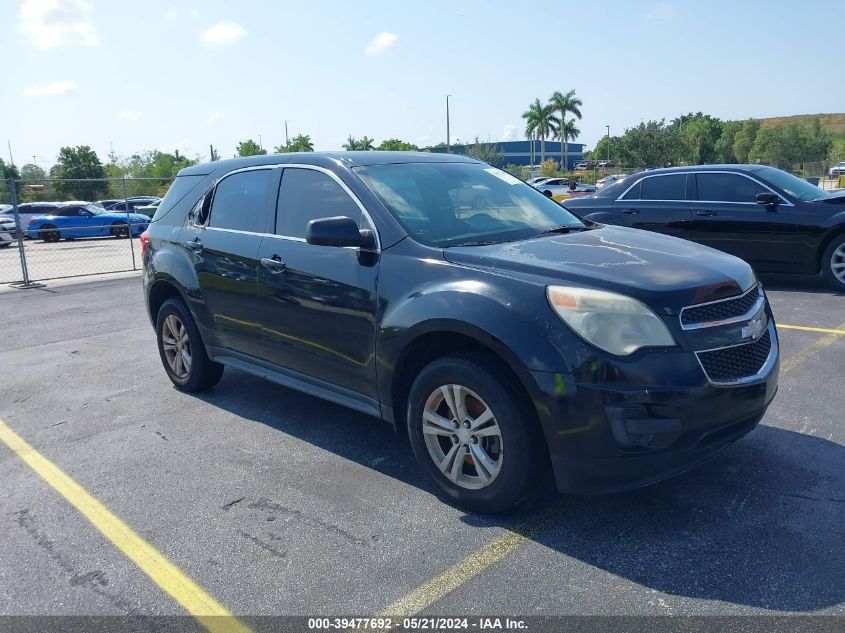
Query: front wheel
[
  {"x": 120, "y": 229},
  {"x": 833, "y": 263},
  {"x": 472, "y": 435},
  {"x": 182, "y": 351},
  {"x": 49, "y": 233},
  {"x": 547, "y": 193}
]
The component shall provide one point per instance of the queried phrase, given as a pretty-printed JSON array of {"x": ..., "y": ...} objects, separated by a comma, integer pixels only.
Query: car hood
[
  {"x": 834, "y": 198},
  {"x": 666, "y": 273}
]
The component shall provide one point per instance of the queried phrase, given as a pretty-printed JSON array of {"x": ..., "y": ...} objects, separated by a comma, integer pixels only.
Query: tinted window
[
  {"x": 240, "y": 201},
  {"x": 306, "y": 195},
  {"x": 634, "y": 193},
  {"x": 672, "y": 187},
  {"x": 727, "y": 188}
]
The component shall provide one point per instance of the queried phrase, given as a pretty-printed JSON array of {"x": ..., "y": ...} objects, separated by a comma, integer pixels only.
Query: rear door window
[
  {"x": 241, "y": 201},
  {"x": 719, "y": 187},
  {"x": 669, "y": 187}
]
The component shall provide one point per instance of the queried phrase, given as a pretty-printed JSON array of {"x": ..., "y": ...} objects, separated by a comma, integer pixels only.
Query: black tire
[
  {"x": 119, "y": 230},
  {"x": 547, "y": 193},
  {"x": 49, "y": 233},
  {"x": 520, "y": 435},
  {"x": 834, "y": 258},
  {"x": 203, "y": 372}
]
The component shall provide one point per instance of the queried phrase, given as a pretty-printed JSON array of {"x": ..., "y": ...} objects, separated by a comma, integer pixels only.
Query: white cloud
[
  {"x": 55, "y": 23},
  {"x": 54, "y": 89},
  {"x": 174, "y": 14},
  {"x": 129, "y": 115},
  {"x": 509, "y": 132},
  {"x": 381, "y": 43},
  {"x": 214, "y": 117},
  {"x": 223, "y": 33}
]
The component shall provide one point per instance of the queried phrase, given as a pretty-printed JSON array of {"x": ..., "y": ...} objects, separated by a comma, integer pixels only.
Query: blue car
[{"x": 70, "y": 221}]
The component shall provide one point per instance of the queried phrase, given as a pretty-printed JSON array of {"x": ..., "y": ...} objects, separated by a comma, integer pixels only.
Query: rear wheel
[
  {"x": 182, "y": 351},
  {"x": 833, "y": 263},
  {"x": 472, "y": 435},
  {"x": 49, "y": 233},
  {"x": 120, "y": 229}
]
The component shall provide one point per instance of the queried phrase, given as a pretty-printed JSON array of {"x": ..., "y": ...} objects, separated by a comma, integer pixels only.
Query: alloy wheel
[
  {"x": 177, "y": 345},
  {"x": 462, "y": 436},
  {"x": 837, "y": 264}
]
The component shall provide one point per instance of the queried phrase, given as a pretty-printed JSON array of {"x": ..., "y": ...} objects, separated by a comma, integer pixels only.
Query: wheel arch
[{"x": 835, "y": 233}]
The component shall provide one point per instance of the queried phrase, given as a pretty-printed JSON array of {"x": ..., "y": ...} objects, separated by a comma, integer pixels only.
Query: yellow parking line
[
  {"x": 427, "y": 594},
  {"x": 205, "y": 609},
  {"x": 826, "y": 341},
  {"x": 839, "y": 331}
]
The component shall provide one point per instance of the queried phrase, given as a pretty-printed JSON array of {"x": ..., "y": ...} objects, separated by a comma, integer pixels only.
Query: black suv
[
  {"x": 773, "y": 220},
  {"x": 509, "y": 338}
]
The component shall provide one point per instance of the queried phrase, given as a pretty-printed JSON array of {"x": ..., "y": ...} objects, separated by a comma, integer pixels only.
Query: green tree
[
  {"x": 299, "y": 143},
  {"x": 8, "y": 171},
  {"x": 250, "y": 148},
  {"x": 786, "y": 145},
  {"x": 724, "y": 147},
  {"x": 744, "y": 140},
  {"x": 396, "y": 145},
  {"x": 651, "y": 144},
  {"x": 600, "y": 151},
  {"x": 366, "y": 143},
  {"x": 539, "y": 125},
  {"x": 82, "y": 163},
  {"x": 836, "y": 152},
  {"x": 31, "y": 171},
  {"x": 699, "y": 133},
  {"x": 564, "y": 104},
  {"x": 570, "y": 132},
  {"x": 485, "y": 152},
  {"x": 351, "y": 144}
]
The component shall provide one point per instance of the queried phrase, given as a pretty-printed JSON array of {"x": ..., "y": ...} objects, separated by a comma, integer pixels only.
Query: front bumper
[{"x": 617, "y": 426}]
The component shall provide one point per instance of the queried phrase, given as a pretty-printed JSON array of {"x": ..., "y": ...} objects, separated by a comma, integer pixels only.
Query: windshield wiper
[{"x": 563, "y": 229}]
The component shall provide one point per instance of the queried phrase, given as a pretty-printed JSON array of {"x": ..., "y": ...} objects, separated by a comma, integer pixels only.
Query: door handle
[
  {"x": 194, "y": 245},
  {"x": 631, "y": 211},
  {"x": 274, "y": 264},
  {"x": 706, "y": 214}
]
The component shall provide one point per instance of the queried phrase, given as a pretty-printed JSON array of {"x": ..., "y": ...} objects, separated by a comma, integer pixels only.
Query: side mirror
[
  {"x": 338, "y": 231},
  {"x": 771, "y": 200}
]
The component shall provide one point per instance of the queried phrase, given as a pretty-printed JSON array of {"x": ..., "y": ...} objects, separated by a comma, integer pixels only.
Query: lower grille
[{"x": 734, "y": 363}]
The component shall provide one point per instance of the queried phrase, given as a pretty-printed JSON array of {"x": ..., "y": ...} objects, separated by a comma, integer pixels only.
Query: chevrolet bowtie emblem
[{"x": 753, "y": 329}]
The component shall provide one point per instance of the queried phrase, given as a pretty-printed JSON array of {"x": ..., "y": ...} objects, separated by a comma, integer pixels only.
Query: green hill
[{"x": 833, "y": 123}]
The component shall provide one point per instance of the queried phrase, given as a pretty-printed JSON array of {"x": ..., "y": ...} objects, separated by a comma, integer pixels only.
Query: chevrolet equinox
[{"x": 511, "y": 340}]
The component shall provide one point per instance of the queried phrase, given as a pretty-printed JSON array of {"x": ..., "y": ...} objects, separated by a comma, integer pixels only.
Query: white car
[
  {"x": 601, "y": 183},
  {"x": 838, "y": 169},
  {"x": 537, "y": 180},
  {"x": 7, "y": 231},
  {"x": 561, "y": 188},
  {"x": 29, "y": 210}
]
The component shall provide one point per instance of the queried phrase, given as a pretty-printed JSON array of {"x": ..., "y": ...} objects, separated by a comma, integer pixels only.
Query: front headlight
[{"x": 613, "y": 322}]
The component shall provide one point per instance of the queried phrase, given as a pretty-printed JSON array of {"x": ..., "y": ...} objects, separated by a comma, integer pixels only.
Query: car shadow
[{"x": 762, "y": 525}]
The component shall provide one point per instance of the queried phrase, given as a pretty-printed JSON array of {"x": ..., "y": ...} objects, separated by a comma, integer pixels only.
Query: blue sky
[{"x": 168, "y": 74}]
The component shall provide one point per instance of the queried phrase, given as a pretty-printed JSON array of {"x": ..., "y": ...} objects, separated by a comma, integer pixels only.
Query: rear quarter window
[{"x": 179, "y": 190}]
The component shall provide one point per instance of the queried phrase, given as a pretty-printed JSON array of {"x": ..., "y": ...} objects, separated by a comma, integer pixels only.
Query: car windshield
[
  {"x": 792, "y": 185},
  {"x": 95, "y": 209},
  {"x": 462, "y": 204}
]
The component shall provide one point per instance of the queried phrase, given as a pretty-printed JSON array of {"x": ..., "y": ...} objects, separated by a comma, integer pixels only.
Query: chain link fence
[{"x": 52, "y": 229}]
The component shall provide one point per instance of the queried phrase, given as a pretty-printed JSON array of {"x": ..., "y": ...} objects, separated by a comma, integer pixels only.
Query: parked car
[
  {"x": 563, "y": 188},
  {"x": 509, "y": 339},
  {"x": 71, "y": 221},
  {"x": 537, "y": 180},
  {"x": 129, "y": 204},
  {"x": 28, "y": 210},
  {"x": 773, "y": 220},
  {"x": 601, "y": 183},
  {"x": 838, "y": 169},
  {"x": 8, "y": 231},
  {"x": 148, "y": 210}
]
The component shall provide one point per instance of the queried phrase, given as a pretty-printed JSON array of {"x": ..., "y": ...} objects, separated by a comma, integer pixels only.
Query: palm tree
[
  {"x": 539, "y": 120},
  {"x": 565, "y": 104},
  {"x": 570, "y": 132},
  {"x": 351, "y": 144},
  {"x": 366, "y": 144},
  {"x": 531, "y": 117}
]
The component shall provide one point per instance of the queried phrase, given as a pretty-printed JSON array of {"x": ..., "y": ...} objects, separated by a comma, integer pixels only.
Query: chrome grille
[{"x": 721, "y": 310}]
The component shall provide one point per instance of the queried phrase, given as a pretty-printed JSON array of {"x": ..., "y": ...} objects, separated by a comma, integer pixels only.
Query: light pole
[
  {"x": 608, "y": 142},
  {"x": 287, "y": 142},
  {"x": 260, "y": 144},
  {"x": 448, "y": 139}
]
